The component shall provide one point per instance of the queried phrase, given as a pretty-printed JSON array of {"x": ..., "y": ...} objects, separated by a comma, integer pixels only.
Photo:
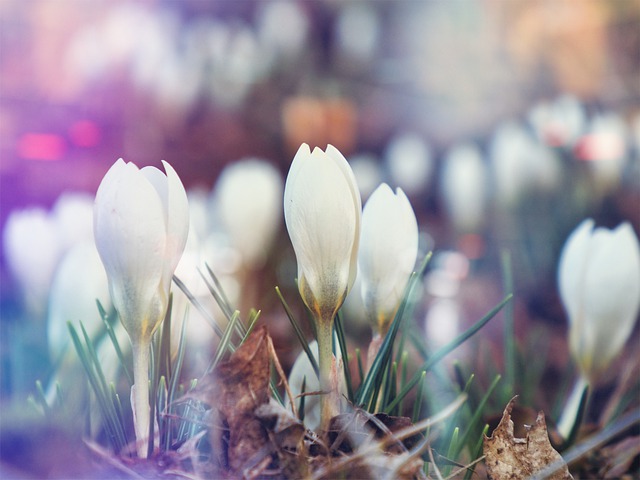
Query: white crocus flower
[
  {"x": 464, "y": 187},
  {"x": 249, "y": 193},
  {"x": 599, "y": 281},
  {"x": 322, "y": 209},
  {"x": 387, "y": 255},
  {"x": 73, "y": 214},
  {"x": 78, "y": 282},
  {"x": 32, "y": 248},
  {"x": 141, "y": 222},
  {"x": 410, "y": 162}
]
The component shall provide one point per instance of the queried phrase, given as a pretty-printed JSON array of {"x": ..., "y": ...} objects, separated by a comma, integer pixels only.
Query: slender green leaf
[
  {"x": 373, "y": 380},
  {"x": 471, "y": 427},
  {"x": 298, "y": 331},
  {"x": 443, "y": 351},
  {"x": 509, "y": 333},
  {"x": 345, "y": 355},
  {"x": 194, "y": 301},
  {"x": 417, "y": 404}
]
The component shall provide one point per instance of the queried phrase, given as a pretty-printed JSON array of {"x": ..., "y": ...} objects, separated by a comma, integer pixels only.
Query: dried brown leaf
[
  {"x": 235, "y": 389},
  {"x": 507, "y": 457}
]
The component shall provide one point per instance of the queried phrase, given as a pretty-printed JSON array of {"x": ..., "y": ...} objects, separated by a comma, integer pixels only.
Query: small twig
[
  {"x": 435, "y": 467},
  {"x": 466, "y": 467},
  {"x": 283, "y": 377}
]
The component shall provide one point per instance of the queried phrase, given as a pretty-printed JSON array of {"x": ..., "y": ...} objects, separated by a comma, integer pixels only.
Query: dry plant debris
[
  {"x": 253, "y": 436},
  {"x": 507, "y": 457}
]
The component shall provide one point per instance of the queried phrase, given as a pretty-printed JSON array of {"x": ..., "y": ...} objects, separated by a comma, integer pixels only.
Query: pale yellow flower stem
[
  {"x": 140, "y": 395},
  {"x": 328, "y": 409},
  {"x": 569, "y": 416}
]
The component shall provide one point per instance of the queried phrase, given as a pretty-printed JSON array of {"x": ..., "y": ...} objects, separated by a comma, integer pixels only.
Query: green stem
[
  {"x": 324, "y": 330},
  {"x": 140, "y": 394}
]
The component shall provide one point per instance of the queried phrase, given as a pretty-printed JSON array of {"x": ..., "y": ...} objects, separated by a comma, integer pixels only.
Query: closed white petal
[
  {"x": 388, "y": 249},
  {"x": 572, "y": 270},
  {"x": 612, "y": 292},
  {"x": 129, "y": 230},
  {"x": 176, "y": 207},
  {"x": 339, "y": 159},
  {"x": 322, "y": 218}
]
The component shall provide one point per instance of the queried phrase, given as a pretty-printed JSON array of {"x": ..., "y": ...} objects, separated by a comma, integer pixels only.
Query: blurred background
[{"x": 505, "y": 122}]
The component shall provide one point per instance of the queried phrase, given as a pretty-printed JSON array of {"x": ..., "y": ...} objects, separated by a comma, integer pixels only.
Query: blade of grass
[
  {"x": 225, "y": 343},
  {"x": 403, "y": 376},
  {"x": 302, "y": 399},
  {"x": 338, "y": 328},
  {"x": 509, "y": 333},
  {"x": 477, "y": 416},
  {"x": 360, "y": 368},
  {"x": 446, "y": 349},
  {"x": 373, "y": 380},
  {"x": 194, "y": 301},
  {"x": 41, "y": 399},
  {"x": 254, "y": 316},
  {"x": 223, "y": 297},
  {"x": 417, "y": 404},
  {"x": 476, "y": 452},
  {"x": 221, "y": 300},
  {"x": 116, "y": 345},
  {"x": 114, "y": 430},
  {"x": 298, "y": 331}
]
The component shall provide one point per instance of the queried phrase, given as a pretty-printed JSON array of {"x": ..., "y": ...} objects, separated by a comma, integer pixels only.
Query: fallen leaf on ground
[{"x": 508, "y": 457}]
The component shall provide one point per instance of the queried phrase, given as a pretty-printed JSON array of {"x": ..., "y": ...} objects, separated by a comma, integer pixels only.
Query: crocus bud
[
  {"x": 249, "y": 193},
  {"x": 599, "y": 282},
  {"x": 387, "y": 255},
  {"x": 322, "y": 210},
  {"x": 141, "y": 222}
]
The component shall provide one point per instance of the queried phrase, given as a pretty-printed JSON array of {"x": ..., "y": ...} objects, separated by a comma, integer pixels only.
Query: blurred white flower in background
[
  {"x": 599, "y": 282},
  {"x": 442, "y": 284},
  {"x": 236, "y": 64},
  {"x": 249, "y": 201},
  {"x": 410, "y": 163},
  {"x": 179, "y": 63},
  {"x": 32, "y": 248},
  {"x": 357, "y": 32},
  {"x": 604, "y": 147},
  {"x": 464, "y": 187},
  {"x": 511, "y": 155},
  {"x": 278, "y": 42},
  {"x": 73, "y": 214},
  {"x": 79, "y": 281},
  {"x": 366, "y": 168},
  {"x": 558, "y": 123}
]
